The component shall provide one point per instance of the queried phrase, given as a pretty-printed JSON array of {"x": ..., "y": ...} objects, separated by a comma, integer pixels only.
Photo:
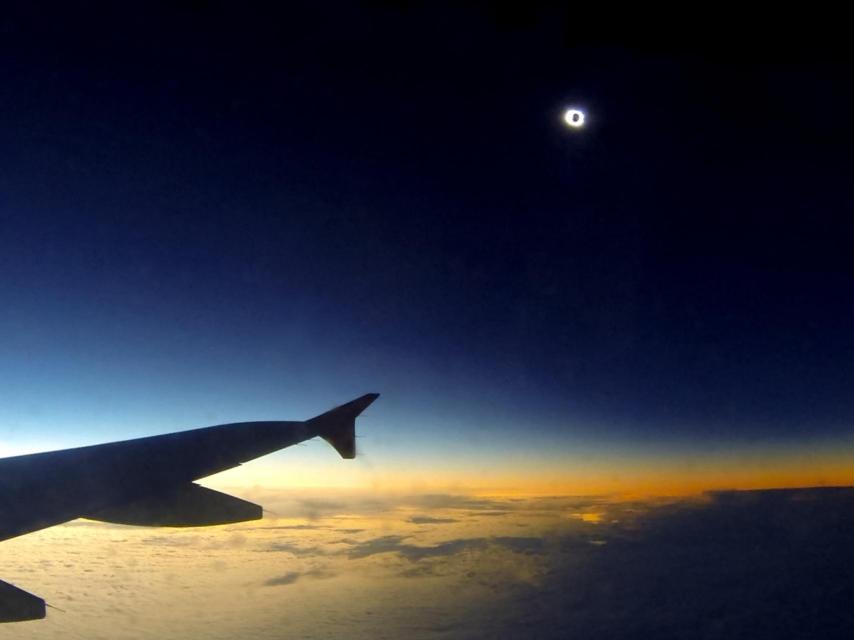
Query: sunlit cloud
[{"x": 292, "y": 576}]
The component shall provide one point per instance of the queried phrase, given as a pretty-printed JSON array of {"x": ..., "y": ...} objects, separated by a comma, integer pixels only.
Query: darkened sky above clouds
[{"x": 205, "y": 203}]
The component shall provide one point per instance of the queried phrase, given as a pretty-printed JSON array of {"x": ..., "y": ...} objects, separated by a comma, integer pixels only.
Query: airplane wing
[{"x": 148, "y": 481}]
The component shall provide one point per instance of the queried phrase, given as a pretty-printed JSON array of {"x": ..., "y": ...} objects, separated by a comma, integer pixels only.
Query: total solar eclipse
[{"x": 574, "y": 118}]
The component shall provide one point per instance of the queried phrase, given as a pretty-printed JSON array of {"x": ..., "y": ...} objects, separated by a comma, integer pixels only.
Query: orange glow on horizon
[{"x": 639, "y": 476}]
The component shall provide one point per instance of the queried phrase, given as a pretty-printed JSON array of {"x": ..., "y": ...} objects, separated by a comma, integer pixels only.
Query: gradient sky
[{"x": 210, "y": 215}]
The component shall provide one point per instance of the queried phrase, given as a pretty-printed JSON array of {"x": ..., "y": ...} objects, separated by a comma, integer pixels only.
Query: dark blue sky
[{"x": 207, "y": 215}]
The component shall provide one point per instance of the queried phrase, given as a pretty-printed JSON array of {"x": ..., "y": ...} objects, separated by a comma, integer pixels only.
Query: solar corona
[{"x": 574, "y": 118}]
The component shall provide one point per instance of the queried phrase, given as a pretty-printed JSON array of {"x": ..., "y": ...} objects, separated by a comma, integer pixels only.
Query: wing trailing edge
[{"x": 189, "y": 505}]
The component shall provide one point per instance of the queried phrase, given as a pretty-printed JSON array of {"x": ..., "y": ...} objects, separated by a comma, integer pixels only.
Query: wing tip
[{"x": 338, "y": 426}]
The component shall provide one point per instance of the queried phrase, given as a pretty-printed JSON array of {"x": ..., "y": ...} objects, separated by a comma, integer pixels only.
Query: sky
[
  {"x": 614, "y": 362},
  {"x": 211, "y": 214}
]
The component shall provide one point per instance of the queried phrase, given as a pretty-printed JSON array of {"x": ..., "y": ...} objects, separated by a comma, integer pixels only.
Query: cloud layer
[{"x": 732, "y": 565}]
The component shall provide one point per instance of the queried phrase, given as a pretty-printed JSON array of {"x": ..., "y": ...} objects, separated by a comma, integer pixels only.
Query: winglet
[{"x": 338, "y": 426}]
